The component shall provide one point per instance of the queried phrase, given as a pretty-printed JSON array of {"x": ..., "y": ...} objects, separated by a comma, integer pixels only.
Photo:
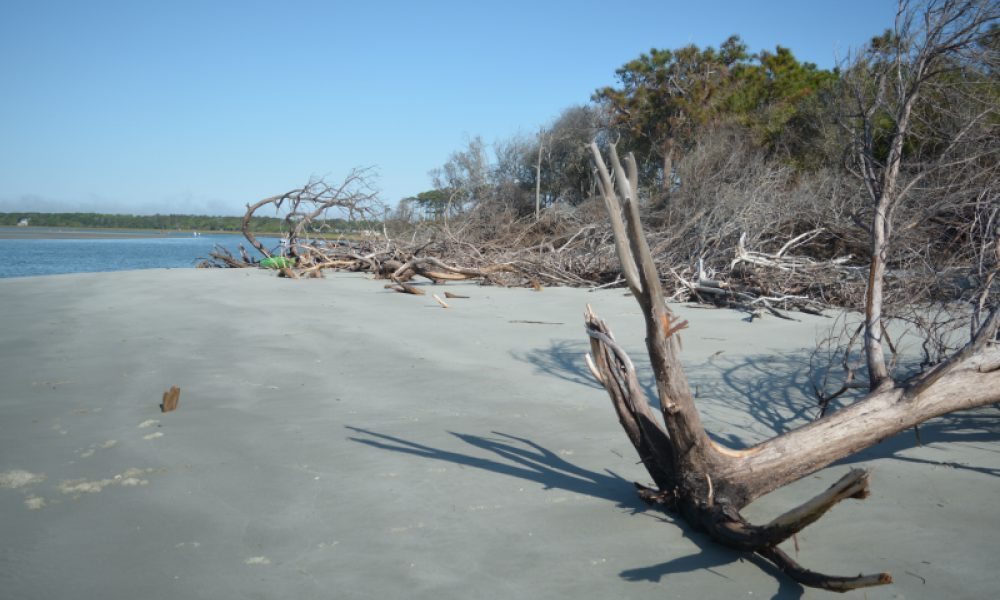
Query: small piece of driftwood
[
  {"x": 451, "y": 295},
  {"x": 536, "y": 322},
  {"x": 170, "y": 399},
  {"x": 405, "y": 288}
]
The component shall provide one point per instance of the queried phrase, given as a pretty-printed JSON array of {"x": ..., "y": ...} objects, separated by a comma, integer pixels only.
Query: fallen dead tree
[
  {"x": 750, "y": 298},
  {"x": 758, "y": 282},
  {"x": 221, "y": 257},
  {"x": 438, "y": 272},
  {"x": 306, "y": 209},
  {"x": 708, "y": 484}
]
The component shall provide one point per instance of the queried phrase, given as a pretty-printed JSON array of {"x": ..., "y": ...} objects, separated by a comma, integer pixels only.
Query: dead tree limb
[{"x": 437, "y": 271}]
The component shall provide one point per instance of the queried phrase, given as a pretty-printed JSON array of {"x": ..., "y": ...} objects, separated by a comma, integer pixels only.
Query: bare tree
[
  {"x": 938, "y": 46},
  {"x": 465, "y": 177},
  {"x": 306, "y": 209},
  {"x": 708, "y": 484}
]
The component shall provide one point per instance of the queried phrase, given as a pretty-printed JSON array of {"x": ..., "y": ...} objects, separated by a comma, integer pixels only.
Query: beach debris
[
  {"x": 440, "y": 301},
  {"x": 536, "y": 322},
  {"x": 405, "y": 288},
  {"x": 452, "y": 295},
  {"x": 277, "y": 262},
  {"x": 437, "y": 271},
  {"x": 170, "y": 399}
]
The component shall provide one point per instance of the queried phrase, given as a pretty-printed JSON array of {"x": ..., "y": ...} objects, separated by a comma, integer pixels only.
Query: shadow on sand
[
  {"x": 775, "y": 392},
  {"x": 522, "y": 458}
]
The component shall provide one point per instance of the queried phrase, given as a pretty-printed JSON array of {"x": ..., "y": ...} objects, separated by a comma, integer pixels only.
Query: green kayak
[{"x": 277, "y": 262}]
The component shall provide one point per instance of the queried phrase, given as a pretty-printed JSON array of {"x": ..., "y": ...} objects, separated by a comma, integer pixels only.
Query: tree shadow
[
  {"x": 967, "y": 427},
  {"x": 752, "y": 379},
  {"x": 521, "y": 458},
  {"x": 752, "y": 398},
  {"x": 711, "y": 556},
  {"x": 777, "y": 392},
  {"x": 524, "y": 459},
  {"x": 564, "y": 360}
]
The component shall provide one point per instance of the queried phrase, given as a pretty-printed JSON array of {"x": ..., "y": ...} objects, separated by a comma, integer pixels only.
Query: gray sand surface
[{"x": 336, "y": 440}]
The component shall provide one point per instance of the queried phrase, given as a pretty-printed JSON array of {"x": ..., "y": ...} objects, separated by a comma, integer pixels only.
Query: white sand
[{"x": 334, "y": 440}]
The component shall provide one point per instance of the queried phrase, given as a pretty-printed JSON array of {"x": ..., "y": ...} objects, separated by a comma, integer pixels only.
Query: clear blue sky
[{"x": 175, "y": 106}]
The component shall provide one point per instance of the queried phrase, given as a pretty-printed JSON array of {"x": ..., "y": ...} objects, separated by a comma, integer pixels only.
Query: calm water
[{"x": 26, "y": 256}]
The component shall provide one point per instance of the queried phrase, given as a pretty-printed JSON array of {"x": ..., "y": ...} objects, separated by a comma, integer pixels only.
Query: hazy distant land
[{"x": 159, "y": 224}]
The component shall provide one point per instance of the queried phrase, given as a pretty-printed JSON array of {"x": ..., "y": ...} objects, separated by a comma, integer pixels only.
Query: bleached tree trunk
[
  {"x": 878, "y": 372},
  {"x": 668, "y": 165},
  {"x": 538, "y": 177},
  {"x": 918, "y": 46}
]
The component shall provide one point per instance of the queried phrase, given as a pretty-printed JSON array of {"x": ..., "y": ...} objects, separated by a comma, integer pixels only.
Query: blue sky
[{"x": 201, "y": 107}]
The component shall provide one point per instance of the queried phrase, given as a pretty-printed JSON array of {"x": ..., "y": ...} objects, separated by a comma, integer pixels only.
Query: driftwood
[
  {"x": 437, "y": 271},
  {"x": 170, "y": 399},
  {"x": 405, "y": 288},
  {"x": 440, "y": 301},
  {"x": 708, "y": 484},
  {"x": 221, "y": 257},
  {"x": 781, "y": 260}
]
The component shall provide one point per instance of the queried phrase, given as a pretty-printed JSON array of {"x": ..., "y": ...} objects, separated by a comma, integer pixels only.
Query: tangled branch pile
[{"x": 741, "y": 233}]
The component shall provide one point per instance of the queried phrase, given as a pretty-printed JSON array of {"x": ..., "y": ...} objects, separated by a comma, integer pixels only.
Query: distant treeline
[{"x": 167, "y": 222}]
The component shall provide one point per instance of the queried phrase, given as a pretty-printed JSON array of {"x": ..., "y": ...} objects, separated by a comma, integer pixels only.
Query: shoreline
[{"x": 331, "y": 434}]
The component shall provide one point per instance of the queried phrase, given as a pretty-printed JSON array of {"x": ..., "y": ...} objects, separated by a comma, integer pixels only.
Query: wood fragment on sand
[
  {"x": 536, "y": 322},
  {"x": 405, "y": 288},
  {"x": 170, "y": 399}
]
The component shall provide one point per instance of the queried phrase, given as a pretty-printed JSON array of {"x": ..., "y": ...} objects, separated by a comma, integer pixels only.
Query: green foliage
[
  {"x": 666, "y": 98},
  {"x": 770, "y": 93},
  {"x": 431, "y": 203}
]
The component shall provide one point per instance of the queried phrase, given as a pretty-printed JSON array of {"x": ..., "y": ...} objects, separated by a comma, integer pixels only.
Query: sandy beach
[{"x": 337, "y": 440}]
